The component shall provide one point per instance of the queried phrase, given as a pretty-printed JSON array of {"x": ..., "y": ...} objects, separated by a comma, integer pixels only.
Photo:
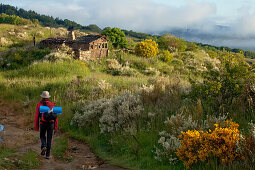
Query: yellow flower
[{"x": 198, "y": 145}]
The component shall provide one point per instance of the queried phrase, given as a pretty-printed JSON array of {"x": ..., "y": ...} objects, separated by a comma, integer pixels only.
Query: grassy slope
[
  {"x": 71, "y": 81},
  {"x": 27, "y": 83}
]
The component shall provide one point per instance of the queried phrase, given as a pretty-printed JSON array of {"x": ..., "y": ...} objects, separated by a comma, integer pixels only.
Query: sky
[{"x": 150, "y": 15}]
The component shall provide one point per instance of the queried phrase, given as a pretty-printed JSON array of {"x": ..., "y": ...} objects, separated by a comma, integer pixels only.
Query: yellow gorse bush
[
  {"x": 220, "y": 143},
  {"x": 147, "y": 48}
]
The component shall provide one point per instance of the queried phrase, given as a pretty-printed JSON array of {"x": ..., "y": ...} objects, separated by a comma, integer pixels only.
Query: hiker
[{"x": 47, "y": 125}]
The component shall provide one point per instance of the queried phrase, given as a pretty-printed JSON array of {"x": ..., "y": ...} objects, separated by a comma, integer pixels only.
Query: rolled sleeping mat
[
  {"x": 44, "y": 109},
  {"x": 57, "y": 110}
]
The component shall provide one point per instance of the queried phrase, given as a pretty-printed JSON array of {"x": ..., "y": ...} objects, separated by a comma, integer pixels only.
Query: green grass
[
  {"x": 72, "y": 82},
  {"x": 29, "y": 160},
  {"x": 10, "y": 160},
  {"x": 59, "y": 148},
  {"x": 5, "y": 153}
]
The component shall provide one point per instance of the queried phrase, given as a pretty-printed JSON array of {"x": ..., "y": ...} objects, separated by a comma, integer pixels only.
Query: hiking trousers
[{"x": 46, "y": 127}]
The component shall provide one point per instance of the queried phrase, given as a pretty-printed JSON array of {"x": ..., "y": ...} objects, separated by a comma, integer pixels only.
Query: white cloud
[{"x": 139, "y": 15}]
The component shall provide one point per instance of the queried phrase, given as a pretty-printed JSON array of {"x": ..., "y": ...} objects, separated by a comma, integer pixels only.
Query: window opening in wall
[{"x": 105, "y": 45}]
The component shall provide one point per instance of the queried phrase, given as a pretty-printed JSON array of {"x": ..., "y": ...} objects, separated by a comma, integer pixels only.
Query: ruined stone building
[{"x": 89, "y": 47}]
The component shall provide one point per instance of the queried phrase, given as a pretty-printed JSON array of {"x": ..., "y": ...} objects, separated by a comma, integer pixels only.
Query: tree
[
  {"x": 116, "y": 36},
  {"x": 147, "y": 48}
]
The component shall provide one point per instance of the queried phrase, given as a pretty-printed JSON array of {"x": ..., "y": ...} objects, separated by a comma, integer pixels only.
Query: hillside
[
  {"x": 22, "y": 35},
  {"x": 135, "y": 111},
  {"x": 49, "y": 21}
]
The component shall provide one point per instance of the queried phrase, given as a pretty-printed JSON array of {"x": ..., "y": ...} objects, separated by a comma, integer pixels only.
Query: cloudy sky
[{"x": 149, "y": 15}]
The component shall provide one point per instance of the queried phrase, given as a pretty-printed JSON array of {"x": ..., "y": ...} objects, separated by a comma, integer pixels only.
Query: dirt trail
[{"x": 16, "y": 136}]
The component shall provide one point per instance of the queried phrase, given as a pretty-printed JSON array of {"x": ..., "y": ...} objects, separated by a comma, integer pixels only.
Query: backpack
[{"x": 48, "y": 116}]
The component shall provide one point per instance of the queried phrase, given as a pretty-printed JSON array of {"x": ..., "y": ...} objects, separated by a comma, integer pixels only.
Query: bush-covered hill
[
  {"x": 19, "y": 32},
  {"x": 165, "y": 104},
  {"x": 132, "y": 109},
  {"x": 49, "y": 21}
]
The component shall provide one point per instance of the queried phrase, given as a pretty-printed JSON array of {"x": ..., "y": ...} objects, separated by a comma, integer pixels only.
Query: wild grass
[
  {"x": 59, "y": 149},
  {"x": 10, "y": 160},
  {"x": 73, "y": 84},
  {"x": 29, "y": 160}
]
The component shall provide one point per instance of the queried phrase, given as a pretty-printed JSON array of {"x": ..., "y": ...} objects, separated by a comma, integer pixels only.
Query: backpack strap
[{"x": 50, "y": 106}]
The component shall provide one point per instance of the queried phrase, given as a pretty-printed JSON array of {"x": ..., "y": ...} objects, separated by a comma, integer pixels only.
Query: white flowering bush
[
  {"x": 168, "y": 144},
  {"x": 209, "y": 122},
  {"x": 120, "y": 113},
  {"x": 151, "y": 71},
  {"x": 62, "y": 54},
  {"x": 101, "y": 88},
  {"x": 90, "y": 113},
  {"x": 123, "y": 114},
  {"x": 252, "y": 129},
  {"x": 57, "y": 56},
  {"x": 114, "y": 68},
  {"x": 168, "y": 141}
]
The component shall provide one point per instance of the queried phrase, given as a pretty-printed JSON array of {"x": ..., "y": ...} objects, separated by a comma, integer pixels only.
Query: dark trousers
[{"x": 46, "y": 127}]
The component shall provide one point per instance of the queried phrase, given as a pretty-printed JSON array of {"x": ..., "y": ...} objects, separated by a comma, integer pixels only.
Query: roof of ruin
[
  {"x": 89, "y": 38},
  {"x": 55, "y": 40},
  {"x": 84, "y": 39}
]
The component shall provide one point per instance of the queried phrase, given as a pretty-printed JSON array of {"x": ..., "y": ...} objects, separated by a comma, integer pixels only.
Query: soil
[{"x": 23, "y": 139}]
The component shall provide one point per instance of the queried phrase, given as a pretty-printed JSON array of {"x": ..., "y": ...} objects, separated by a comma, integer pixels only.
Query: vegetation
[
  {"x": 116, "y": 37},
  {"x": 59, "y": 148},
  {"x": 179, "y": 105},
  {"x": 9, "y": 160},
  {"x": 147, "y": 48},
  {"x": 13, "y": 19}
]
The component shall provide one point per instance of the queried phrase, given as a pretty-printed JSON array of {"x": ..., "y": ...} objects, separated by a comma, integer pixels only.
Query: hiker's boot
[
  {"x": 47, "y": 155},
  {"x": 43, "y": 151}
]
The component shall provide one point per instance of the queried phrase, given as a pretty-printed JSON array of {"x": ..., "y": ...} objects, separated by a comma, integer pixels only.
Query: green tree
[{"x": 116, "y": 37}]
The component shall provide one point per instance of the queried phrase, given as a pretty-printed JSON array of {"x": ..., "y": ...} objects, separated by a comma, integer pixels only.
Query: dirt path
[{"x": 16, "y": 136}]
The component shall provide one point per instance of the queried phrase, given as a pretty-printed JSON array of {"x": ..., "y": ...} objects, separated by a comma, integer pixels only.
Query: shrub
[
  {"x": 114, "y": 68},
  {"x": 140, "y": 65},
  {"x": 147, "y": 48},
  {"x": 122, "y": 114},
  {"x": 169, "y": 141},
  {"x": 21, "y": 58},
  {"x": 90, "y": 113},
  {"x": 172, "y": 43},
  {"x": 199, "y": 145},
  {"x": 166, "y": 56}
]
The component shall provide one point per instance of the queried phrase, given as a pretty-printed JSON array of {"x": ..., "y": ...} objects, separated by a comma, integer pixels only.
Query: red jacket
[{"x": 37, "y": 114}]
